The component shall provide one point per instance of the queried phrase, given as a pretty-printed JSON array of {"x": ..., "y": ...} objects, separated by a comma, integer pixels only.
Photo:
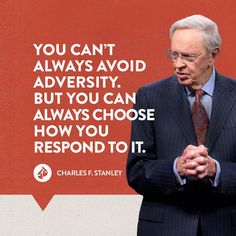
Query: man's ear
[{"x": 215, "y": 52}]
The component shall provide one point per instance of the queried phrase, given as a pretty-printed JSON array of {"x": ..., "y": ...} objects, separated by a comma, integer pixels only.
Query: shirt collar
[{"x": 208, "y": 86}]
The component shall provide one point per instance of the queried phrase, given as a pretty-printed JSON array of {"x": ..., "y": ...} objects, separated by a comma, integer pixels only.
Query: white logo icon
[{"x": 42, "y": 173}]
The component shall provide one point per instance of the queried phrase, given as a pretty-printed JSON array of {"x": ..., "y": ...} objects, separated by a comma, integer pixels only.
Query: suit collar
[
  {"x": 178, "y": 103},
  {"x": 223, "y": 100}
]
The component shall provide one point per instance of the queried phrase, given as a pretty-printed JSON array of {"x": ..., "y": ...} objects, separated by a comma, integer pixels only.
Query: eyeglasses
[{"x": 187, "y": 57}]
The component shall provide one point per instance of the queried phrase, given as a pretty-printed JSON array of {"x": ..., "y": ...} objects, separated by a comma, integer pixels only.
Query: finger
[
  {"x": 202, "y": 175},
  {"x": 201, "y": 168},
  {"x": 202, "y": 150},
  {"x": 190, "y": 155},
  {"x": 189, "y": 148},
  {"x": 191, "y": 172},
  {"x": 179, "y": 166},
  {"x": 201, "y": 160},
  {"x": 203, "y": 147},
  {"x": 187, "y": 153},
  {"x": 191, "y": 165}
]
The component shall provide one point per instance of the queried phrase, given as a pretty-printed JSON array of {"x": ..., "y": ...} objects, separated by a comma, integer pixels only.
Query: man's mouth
[{"x": 182, "y": 76}]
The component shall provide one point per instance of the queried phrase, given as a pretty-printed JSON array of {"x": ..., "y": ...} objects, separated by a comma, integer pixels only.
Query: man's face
[{"x": 192, "y": 74}]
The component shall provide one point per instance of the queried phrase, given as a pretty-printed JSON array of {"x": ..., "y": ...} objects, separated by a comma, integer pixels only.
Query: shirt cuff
[
  {"x": 181, "y": 181},
  {"x": 215, "y": 181}
]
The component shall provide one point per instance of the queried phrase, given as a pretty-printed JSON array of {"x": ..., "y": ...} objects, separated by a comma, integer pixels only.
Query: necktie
[{"x": 199, "y": 117}]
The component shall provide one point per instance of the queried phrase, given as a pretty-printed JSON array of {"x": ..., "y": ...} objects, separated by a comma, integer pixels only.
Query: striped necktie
[{"x": 200, "y": 118}]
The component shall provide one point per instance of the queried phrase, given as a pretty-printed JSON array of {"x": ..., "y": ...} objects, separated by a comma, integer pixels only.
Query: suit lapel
[
  {"x": 223, "y": 100},
  {"x": 178, "y": 103}
]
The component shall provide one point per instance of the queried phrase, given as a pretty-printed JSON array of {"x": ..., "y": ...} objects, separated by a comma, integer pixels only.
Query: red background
[{"x": 140, "y": 30}]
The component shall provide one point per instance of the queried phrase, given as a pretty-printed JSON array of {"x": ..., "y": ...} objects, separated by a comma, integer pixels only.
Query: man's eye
[
  {"x": 187, "y": 56},
  {"x": 174, "y": 55}
]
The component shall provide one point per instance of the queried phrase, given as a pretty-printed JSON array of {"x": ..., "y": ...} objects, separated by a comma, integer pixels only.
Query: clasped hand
[{"x": 195, "y": 161}]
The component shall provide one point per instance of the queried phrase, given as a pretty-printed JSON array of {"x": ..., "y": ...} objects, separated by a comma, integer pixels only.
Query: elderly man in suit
[{"x": 187, "y": 171}]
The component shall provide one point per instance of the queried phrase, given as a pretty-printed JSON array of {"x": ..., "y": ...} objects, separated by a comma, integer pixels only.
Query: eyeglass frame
[{"x": 169, "y": 55}]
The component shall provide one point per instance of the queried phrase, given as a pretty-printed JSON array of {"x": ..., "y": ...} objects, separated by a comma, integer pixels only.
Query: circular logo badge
[{"x": 42, "y": 173}]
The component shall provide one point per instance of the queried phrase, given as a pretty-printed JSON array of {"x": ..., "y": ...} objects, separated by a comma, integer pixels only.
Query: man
[{"x": 187, "y": 171}]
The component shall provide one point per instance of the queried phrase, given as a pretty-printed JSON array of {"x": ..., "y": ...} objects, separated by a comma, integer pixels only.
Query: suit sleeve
[
  {"x": 227, "y": 184},
  {"x": 147, "y": 173}
]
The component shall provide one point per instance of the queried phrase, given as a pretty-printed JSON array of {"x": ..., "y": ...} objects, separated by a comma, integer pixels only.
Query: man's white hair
[{"x": 208, "y": 28}]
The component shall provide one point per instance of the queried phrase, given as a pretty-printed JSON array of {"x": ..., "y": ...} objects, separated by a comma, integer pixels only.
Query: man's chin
[
  {"x": 185, "y": 81},
  {"x": 189, "y": 83}
]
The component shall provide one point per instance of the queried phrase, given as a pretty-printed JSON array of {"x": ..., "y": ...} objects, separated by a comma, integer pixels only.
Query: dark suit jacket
[{"x": 169, "y": 209}]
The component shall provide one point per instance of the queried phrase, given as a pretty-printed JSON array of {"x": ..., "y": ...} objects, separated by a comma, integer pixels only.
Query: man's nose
[{"x": 179, "y": 63}]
